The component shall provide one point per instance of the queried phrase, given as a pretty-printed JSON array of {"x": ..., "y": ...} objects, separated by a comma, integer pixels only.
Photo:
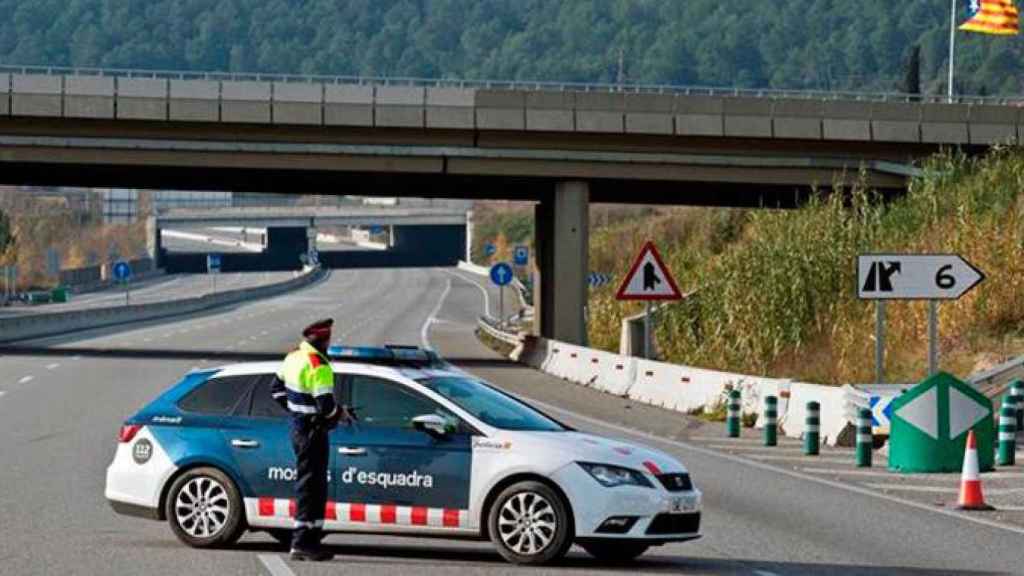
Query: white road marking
[
  {"x": 26, "y": 379},
  {"x": 425, "y": 330},
  {"x": 941, "y": 489},
  {"x": 888, "y": 474},
  {"x": 804, "y": 459},
  {"x": 764, "y": 573},
  {"x": 771, "y": 449},
  {"x": 275, "y": 565},
  {"x": 487, "y": 297},
  {"x": 2, "y": 393},
  {"x": 53, "y": 366},
  {"x": 76, "y": 357}
]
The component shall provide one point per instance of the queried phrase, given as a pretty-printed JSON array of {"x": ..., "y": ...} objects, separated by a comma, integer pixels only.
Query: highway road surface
[
  {"x": 61, "y": 405},
  {"x": 155, "y": 289}
]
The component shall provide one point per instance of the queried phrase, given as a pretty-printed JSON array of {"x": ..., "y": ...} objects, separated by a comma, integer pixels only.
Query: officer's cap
[{"x": 319, "y": 329}]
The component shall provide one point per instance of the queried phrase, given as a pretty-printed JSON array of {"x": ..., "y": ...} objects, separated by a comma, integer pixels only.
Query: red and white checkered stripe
[{"x": 383, "y": 514}]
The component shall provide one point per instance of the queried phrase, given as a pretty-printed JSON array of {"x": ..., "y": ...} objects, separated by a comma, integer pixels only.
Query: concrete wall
[{"x": 469, "y": 109}]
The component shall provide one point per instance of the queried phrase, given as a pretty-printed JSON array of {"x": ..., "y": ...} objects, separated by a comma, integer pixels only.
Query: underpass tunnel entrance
[{"x": 392, "y": 246}]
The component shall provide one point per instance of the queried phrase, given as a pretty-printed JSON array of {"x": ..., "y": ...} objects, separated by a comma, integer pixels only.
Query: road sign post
[
  {"x": 648, "y": 280},
  {"x": 521, "y": 256},
  {"x": 213, "y": 262},
  {"x": 931, "y": 277},
  {"x": 930, "y": 423},
  {"x": 123, "y": 274},
  {"x": 501, "y": 275}
]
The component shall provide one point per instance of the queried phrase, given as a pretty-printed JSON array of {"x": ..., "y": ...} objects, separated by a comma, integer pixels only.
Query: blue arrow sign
[
  {"x": 501, "y": 274},
  {"x": 122, "y": 271},
  {"x": 597, "y": 279},
  {"x": 213, "y": 263},
  {"x": 521, "y": 256},
  {"x": 489, "y": 249}
]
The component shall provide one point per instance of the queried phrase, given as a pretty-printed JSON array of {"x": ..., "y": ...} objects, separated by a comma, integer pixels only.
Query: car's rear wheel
[
  {"x": 204, "y": 509},
  {"x": 530, "y": 523},
  {"x": 615, "y": 551}
]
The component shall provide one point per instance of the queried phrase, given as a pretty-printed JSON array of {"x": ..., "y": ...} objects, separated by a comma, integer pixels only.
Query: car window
[
  {"x": 381, "y": 403},
  {"x": 491, "y": 405},
  {"x": 217, "y": 395},
  {"x": 263, "y": 404}
]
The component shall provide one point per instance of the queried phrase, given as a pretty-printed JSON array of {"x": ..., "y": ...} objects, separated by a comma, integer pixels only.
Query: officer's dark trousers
[{"x": 311, "y": 457}]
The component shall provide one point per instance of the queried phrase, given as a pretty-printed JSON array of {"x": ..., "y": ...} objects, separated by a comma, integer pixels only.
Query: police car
[{"x": 436, "y": 452}]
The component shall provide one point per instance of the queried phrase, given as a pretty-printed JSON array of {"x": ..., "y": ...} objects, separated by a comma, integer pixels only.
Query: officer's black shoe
[{"x": 318, "y": 555}]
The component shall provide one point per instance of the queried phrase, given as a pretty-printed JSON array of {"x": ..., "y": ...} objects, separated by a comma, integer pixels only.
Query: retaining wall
[{"x": 60, "y": 323}]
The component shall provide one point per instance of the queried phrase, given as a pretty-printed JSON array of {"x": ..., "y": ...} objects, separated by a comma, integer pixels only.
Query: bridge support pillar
[
  {"x": 561, "y": 246},
  {"x": 153, "y": 243}
]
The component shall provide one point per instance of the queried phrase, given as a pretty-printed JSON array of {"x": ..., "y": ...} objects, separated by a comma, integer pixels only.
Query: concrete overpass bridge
[
  {"x": 562, "y": 146},
  {"x": 418, "y": 236}
]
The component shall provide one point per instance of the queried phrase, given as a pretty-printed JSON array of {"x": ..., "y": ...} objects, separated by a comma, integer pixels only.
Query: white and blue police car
[{"x": 436, "y": 452}]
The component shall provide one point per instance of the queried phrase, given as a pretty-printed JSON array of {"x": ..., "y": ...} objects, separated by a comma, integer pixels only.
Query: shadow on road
[{"x": 476, "y": 558}]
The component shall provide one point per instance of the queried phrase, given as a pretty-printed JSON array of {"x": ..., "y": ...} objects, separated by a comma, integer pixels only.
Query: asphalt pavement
[
  {"x": 154, "y": 289},
  {"x": 61, "y": 404}
]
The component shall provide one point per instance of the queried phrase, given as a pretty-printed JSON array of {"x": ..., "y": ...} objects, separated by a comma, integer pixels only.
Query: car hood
[{"x": 583, "y": 447}]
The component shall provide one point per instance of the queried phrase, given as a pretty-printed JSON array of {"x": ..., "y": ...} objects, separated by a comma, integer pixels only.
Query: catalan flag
[{"x": 993, "y": 17}]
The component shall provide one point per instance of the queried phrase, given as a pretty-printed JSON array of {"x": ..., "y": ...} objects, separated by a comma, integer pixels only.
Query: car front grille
[
  {"x": 676, "y": 482},
  {"x": 675, "y": 524}
]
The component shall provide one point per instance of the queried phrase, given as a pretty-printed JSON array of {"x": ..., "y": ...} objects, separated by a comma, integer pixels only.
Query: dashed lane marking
[
  {"x": 275, "y": 565},
  {"x": 764, "y": 573},
  {"x": 767, "y": 449},
  {"x": 26, "y": 379},
  {"x": 804, "y": 459},
  {"x": 53, "y": 366},
  {"x": 2, "y": 393}
]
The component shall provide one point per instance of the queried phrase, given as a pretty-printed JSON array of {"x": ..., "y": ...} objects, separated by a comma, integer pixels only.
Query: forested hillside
[{"x": 820, "y": 44}]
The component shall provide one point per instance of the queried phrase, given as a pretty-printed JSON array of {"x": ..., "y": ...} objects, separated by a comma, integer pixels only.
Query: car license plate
[{"x": 682, "y": 504}]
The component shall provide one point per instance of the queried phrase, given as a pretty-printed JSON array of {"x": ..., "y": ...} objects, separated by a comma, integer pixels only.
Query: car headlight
[{"x": 612, "y": 476}]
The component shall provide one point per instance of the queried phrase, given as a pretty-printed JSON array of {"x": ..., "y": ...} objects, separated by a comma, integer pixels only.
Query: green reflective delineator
[
  {"x": 732, "y": 416},
  {"x": 1007, "y": 432},
  {"x": 771, "y": 421},
  {"x": 812, "y": 429},
  {"x": 865, "y": 439},
  {"x": 930, "y": 424},
  {"x": 1017, "y": 391}
]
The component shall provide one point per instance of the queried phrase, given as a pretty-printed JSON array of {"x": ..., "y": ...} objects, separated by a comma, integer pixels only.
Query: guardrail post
[
  {"x": 1017, "y": 390},
  {"x": 771, "y": 417},
  {"x": 865, "y": 440},
  {"x": 812, "y": 429},
  {"x": 1007, "y": 433},
  {"x": 732, "y": 418}
]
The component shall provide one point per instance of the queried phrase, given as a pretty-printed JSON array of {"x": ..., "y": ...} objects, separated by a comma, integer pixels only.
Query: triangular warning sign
[{"x": 649, "y": 279}]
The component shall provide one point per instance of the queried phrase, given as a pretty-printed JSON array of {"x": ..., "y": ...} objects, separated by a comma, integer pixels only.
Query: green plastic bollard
[
  {"x": 1007, "y": 433},
  {"x": 1017, "y": 390},
  {"x": 732, "y": 418},
  {"x": 771, "y": 421},
  {"x": 812, "y": 430},
  {"x": 865, "y": 440}
]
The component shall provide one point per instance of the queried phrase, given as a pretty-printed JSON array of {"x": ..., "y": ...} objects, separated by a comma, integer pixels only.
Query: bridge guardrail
[
  {"x": 60, "y": 323},
  {"x": 490, "y": 327},
  {"x": 533, "y": 85}
]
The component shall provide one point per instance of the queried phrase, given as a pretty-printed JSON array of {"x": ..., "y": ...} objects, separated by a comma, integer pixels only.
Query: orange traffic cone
[{"x": 971, "y": 497}]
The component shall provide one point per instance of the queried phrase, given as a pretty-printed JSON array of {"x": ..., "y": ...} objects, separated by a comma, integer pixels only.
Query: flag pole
[{"x": 952, "y": 46}]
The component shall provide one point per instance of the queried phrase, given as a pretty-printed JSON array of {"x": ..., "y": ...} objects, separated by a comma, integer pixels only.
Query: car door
[
  {"x": 260, "y": 438},
  {"x": 389, "y": 472}
]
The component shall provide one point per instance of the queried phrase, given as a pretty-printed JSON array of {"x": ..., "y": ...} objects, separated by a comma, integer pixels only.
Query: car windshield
[{"x": 491, "y": 406}]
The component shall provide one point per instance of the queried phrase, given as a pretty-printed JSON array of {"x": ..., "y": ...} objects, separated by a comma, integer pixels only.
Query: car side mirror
[{"x": 431, "y": 424}]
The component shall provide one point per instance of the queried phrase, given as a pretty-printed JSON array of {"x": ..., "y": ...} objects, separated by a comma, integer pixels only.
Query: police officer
[{"x": 305, "y": 387}]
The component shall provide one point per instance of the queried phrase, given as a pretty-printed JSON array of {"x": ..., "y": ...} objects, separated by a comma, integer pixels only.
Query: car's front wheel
[
  {"x": 204, "y": 509},
  {"x": 615, "y": 551},
  {"x": 530, "y": 524}
]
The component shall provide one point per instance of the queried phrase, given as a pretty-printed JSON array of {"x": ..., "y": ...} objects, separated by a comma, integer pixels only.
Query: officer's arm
[
  {"x": 323, "y": 392},
  {"x": 278, "y": 392}
]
